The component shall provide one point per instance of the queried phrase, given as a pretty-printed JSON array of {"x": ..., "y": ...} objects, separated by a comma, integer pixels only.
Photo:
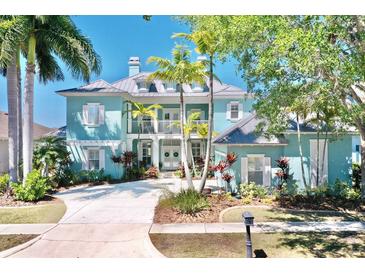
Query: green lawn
[
  {"x": 9, "y": 241},
  {"x": 234, "y": 215},
  {"x": 49, "y": 213},
  {"x": 274, "y": 245}
]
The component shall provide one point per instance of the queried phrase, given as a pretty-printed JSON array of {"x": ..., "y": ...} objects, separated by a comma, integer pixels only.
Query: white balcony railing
[{"x": 163, "y": 126}]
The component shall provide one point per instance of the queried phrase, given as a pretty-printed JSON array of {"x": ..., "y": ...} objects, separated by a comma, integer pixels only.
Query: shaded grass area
[
  {"x": 9, "y": 241},
  {"x": 234, "y": 215},
  {"x": 49, "y": 213},
  {"x": 272, "y": 245}
]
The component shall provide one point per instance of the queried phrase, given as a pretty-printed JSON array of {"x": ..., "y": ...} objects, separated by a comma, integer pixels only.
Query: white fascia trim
[
  {"x": 255, "y": 155},
  {"x": 79, "y": 94},
  {"x": 249, "y": 145},
  {"x": 109, "y": 143}
]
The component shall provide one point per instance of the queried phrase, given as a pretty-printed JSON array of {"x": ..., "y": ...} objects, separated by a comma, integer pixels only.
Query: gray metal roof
[
  {"x": 99, "y": 86},
  {"x": 130, "y": 85},
  {"x": 244, "y": 133}
]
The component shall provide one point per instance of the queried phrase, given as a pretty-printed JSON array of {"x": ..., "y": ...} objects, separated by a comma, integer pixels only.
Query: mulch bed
[
  {"x": 8, "y": 201},
  {"x": 319, "y": 203},
  {"x": 166, "y": 215}
]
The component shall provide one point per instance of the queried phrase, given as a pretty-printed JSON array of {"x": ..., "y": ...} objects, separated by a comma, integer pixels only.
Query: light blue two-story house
[{"x": 99, "y": 125}]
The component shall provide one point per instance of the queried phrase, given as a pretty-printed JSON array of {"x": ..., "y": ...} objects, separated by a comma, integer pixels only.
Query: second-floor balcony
[{"x": 160, "y": 126}]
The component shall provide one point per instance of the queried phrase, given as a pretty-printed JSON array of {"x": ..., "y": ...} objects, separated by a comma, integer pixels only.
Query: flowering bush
[
  {"x": 231, "y": 158},
  {"x": 152, "y": 172},
  {"x": 128, "y": 158},
  {"x": 227, "y": 177}
]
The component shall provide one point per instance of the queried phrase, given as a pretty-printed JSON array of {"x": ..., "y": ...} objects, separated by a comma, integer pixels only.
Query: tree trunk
[
  {"x": 28, "y": 109},
  {"x": 183, "y": 141},
  {"x": 192, "y": 160},
  {"x": 12, "y": 83},
  {"x": 317, "y": 155},
  {"x": 301, "y": 155},
  {"x": 324, "y": 154},
  {"x": 20, "y": 120},
  {"x": 210, "y": 127},
  {"x": 362, "y": 145}
]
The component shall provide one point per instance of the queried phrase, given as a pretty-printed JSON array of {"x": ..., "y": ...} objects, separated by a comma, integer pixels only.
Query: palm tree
[
  {"x": 43, "y": 38},
  {"x": 207, "y": 43},
  {"x": 139, "y": 112},
  {"x": 181, "y": 71},
  {"x": 9, "y": 37}
]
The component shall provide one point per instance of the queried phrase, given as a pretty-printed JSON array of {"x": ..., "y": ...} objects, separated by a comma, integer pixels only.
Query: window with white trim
[
  {"x": 93, "y": 114},
  {"x": 196, "y": 150},
  {"x": 93, "y": 157},
  {"x": 234, "y": 110},
  {"x": 147, "y": 153},
  {"x": 255, "y": 167}
]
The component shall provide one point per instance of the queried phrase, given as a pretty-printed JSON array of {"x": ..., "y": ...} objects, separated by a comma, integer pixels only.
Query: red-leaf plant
[
  {"x": 227, "y": 177},
  {"x": 283, "y": 173}
]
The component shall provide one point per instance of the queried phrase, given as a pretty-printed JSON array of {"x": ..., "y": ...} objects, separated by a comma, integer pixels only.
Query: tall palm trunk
[
  {"x": 192, "y": 159},
  {"x": 301, "y": 155},
  {"x": 210, "y": 127},
  {"x": 183, "y": 141},
  {"x": 12, "y": 84},
  {"x": 19, "y": 113},
  {"x": 28, "y": 108}
]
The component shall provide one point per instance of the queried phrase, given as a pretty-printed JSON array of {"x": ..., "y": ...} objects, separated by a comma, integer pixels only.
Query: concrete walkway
[
  {"x": 259, "y": 227},
  {"x": 25, "y": 228},
  {"x": 100, "y": 221}
]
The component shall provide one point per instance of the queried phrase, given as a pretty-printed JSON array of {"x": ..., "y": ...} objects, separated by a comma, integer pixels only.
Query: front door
[{"x": 170, "y": 157}]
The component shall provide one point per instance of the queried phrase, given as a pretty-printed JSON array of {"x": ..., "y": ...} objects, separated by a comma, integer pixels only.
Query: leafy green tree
[
  {"x": 139, "y": 111},
  {"x": 287, "y": 52},
  {"x": 207, "y": 43},
  {"x": 181, "y": 71}
]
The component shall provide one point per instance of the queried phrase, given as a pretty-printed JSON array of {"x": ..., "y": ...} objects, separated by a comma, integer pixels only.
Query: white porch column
[
  {"x": 156, "y": 152},
  {"x": 155, "y": 121},
  {"x": 129, "y": 144}
]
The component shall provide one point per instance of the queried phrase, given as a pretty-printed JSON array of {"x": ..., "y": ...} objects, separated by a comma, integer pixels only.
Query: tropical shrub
[
  {"x": 4, "y": 180},
  {"x": 52, "y": 158},
  {"x": 152, "y": 172},
  {"x": 283, "y": 172},
  {"x": 134, "y": 173},
  {"x": 34, "y": 189},
  {"x": 189, "y": 202},
  {"x": 252, "y": 190},
  {"x": 90, "y": 176}
]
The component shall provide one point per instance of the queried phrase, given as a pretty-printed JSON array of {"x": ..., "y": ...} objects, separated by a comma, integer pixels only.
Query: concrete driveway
[{"x": 103, "y": 221}]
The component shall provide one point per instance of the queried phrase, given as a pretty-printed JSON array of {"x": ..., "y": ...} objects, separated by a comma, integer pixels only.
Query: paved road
[{"x": 103, "y": 221}]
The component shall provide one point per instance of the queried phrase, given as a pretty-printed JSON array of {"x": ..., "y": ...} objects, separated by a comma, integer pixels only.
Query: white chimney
[{"x": 134, "y": 65}]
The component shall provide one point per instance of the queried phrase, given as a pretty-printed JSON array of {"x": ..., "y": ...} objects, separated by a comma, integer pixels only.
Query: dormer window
[
  {"x": 152, "y": 88},
  {"x": 142, "y": 86},
  {"x": 196, "y": 87},
  {"x": 170, "y": 86}
]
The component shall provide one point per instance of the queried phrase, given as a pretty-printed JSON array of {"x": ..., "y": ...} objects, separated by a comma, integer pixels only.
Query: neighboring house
[
  {"x": 99, "y": 124},
  {"x": 38, "y": 131}
]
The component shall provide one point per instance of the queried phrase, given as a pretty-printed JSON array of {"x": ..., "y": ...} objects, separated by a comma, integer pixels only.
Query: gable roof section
[
  {"x": 244, "y": 133},
  {"x": 99, "y": 86},
  {"x": 38, "y": 130}
]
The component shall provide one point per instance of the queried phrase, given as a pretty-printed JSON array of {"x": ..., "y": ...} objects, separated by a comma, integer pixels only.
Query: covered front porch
[{"x": 165, "y": 153}]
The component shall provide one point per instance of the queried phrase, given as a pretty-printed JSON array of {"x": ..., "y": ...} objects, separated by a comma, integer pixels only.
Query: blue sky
[{"x": 115, "y": 38}]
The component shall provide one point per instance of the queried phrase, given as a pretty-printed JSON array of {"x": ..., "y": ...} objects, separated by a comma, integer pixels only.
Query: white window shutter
[
  {"x": 129, "y": 116},
  {"x": 84, "y": 158},
  {"x": 244, "y": 170},
  {"x": 85, "y": 112},
  {"x": 267, "y": 171},
  {"x": 101, "y": 114},
  {"x": 228, "y": 112},
  {"x": 101, "y": 159},
  {"x": 240, "y": 111}
]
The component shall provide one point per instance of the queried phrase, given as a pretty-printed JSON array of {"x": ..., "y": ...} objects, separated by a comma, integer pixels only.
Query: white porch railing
[{"x": 163, "y": 126}]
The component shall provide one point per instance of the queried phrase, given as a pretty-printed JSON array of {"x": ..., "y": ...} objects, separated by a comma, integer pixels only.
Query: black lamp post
[{"x": 248, "y": 220}]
